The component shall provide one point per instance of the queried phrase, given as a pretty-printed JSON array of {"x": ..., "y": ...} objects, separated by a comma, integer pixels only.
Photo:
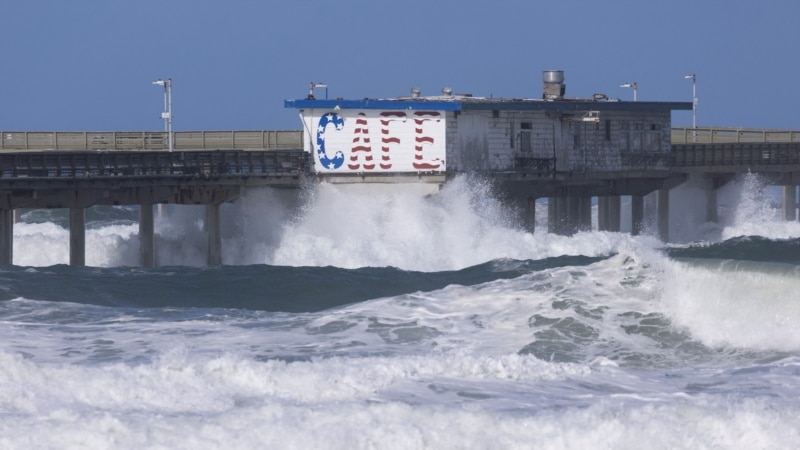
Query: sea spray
[{"x": 750, "y": 211}]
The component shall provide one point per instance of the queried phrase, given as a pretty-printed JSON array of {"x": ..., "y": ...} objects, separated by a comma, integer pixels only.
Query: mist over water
[
  {"x": 746, "y": 206},
  {"x": 461, "y": 226}
]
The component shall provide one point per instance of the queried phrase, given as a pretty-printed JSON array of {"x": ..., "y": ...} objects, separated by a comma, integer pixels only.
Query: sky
[{"x": 85, "y": 65}]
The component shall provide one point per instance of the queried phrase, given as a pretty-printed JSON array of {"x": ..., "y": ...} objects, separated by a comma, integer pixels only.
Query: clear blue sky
[{"x": 89, "y": 65}]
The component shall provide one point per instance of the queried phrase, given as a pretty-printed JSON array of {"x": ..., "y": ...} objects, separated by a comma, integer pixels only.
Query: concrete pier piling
[
  {"x": 214, "y": 235},
  {"x": 526, "y": 207},
  {"x": 568, "y": 215},
  {"x": 608, "y": 213},
  {"x": 77, "y": 237},
  {"x": 663, "y": 214},
  {"x": 6, "y": 236},
  {"x": 789, "y": 203},
  {"x": 146, "y": 235},
  {"x": 637, "y": 214}
]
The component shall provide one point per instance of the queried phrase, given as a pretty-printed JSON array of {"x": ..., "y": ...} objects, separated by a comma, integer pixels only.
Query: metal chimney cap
[{"x": 553, "y": 76}]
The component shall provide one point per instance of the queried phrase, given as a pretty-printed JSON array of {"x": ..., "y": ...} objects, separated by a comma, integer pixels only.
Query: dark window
[
  {"x": 525, "y": 136},
  {"x": 655, "y": 127},
  {"x": 495, "y": 113},
  {"x": 608, "y": 130}
]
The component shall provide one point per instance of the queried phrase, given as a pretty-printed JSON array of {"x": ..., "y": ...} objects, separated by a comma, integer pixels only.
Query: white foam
[
  {"x": 47, "y": 244},
  {"x": 459, "y": 227},
  {"x": 735, "y": 304},
  {"x": 421, "y": 402}
]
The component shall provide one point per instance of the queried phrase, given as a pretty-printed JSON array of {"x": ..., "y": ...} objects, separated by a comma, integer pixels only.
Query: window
[
  {"x": 525, "y": 136},
  {"x": 608, "y": 130}
]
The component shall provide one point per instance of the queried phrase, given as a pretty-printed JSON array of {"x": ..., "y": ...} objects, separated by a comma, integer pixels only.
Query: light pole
[
  {"x": 167, "y": 114},
  {"x": 633, "y": 85},
  {"x": 312, "y": 86},
  {"x": 693, "y": 77}
]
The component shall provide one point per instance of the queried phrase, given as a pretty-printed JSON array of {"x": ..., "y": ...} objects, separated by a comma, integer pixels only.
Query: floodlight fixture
[
  {"x": 312, "y": 86},
  {"x": 634, "y": 86}
]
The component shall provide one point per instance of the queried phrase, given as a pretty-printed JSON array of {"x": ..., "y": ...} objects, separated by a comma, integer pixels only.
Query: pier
[{"x": 77, "y": 170}]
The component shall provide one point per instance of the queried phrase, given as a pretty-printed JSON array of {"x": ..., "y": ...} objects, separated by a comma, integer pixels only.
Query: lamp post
[
  {"x": 312, "y": 86},
  {"x": 693, "y": 77},
  {"x": 633, "y": 85},
  {"x": 167, "y": 114}
]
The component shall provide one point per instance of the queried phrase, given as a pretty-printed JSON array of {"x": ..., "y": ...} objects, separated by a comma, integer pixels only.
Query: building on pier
[{"x": 566, "y": 149}]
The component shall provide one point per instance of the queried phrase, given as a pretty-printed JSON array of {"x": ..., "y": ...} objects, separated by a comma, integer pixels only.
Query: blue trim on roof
[
  {"x": 488, "y": 104},
  {"x": 571, "y": 105},
  {"x": 433, "y": 105}
]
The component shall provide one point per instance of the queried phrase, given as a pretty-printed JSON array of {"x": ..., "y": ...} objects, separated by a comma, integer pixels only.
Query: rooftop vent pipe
[{"x": 554, "y": 86}]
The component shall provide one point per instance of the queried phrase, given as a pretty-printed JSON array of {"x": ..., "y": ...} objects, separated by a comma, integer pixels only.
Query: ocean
[{"x": 366, "y": 317}]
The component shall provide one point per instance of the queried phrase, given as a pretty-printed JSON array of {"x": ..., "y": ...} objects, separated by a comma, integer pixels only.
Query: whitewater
[{"x": 381, "y": 317}]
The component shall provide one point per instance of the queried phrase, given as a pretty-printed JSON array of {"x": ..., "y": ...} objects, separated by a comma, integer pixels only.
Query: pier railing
[
  {"x": 120, "y": 165},
  {"x": 149, "y": 140},
  {"x": 782, "y": 156},
  {"x": 732, "y": 135}
]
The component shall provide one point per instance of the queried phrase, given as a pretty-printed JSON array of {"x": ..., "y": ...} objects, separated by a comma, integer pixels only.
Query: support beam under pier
[
  {"x": 77, "y": 237},
  {"x": 214, "y": 235},
  {"x": 608, "y": 213},
  {"x": 147, "y": 249},
  {"x": 573, "y": 215},
  {"x": 584, "y": 214},
  {"x": 527, "y": 213},
  {"x": 711, "y": 206},
  {"x": 6, "y": 236},
  {"x": 615, "y": 213},
  {"x": 663, "y": 214},
  {"x": 556, "y": 214},
  {"x": 637, "y": 214},
  {"x": 602, "y": 212},
  {"x": 789, "y": 202},
  {"x": 568, "y": 215}
]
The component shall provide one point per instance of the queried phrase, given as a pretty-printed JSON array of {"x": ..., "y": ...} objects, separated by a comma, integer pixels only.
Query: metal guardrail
[
  {"x": 75, "y": 165},
  {"x": 149, "y": 140},
  {"x": 781, "y": 156},
  {"x": 731, "y": 135}
]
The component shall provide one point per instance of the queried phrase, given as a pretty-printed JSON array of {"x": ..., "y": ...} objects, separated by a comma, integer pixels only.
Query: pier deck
[{"x": 76, "y": 170}]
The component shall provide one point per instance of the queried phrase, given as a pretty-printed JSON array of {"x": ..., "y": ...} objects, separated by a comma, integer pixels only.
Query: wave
[
  {"x": 256, "y": 287},
  {"x": 747, "y": 248}
]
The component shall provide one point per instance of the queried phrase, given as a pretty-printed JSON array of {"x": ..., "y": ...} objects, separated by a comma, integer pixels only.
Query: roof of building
[{"x": 466, "y": 103}]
